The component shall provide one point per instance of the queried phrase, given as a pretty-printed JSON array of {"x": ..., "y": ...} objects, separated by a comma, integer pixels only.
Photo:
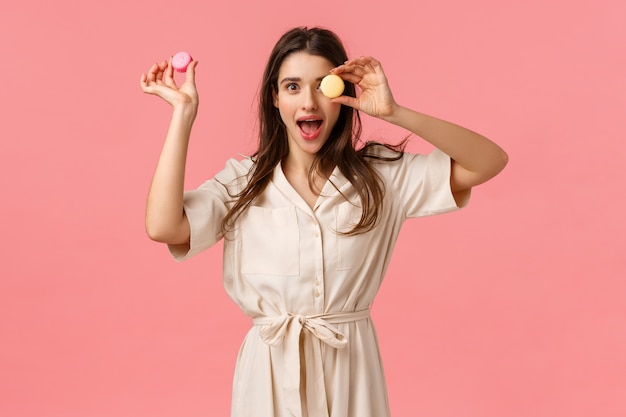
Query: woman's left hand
[{"x": 375, "y": 98}]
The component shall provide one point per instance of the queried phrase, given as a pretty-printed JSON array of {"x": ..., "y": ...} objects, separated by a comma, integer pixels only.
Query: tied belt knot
[{"x": 285, "y": 331}]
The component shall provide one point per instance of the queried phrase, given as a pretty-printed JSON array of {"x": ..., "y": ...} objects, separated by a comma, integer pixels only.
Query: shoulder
[
  {"x": 235, "y": 170},
  {"x": 379, "y": 156},
  {"x": 235, "y": 167},
  {"x": 232, "y": 178},
  {"x": 375, "y": 151},
  {"x": 409, "y": 165},
  {"x": 384, "y": 158}
]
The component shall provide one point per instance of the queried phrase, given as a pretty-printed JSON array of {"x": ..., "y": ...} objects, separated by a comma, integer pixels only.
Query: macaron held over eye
[
  {"x": 181, "y": 60},
  {"x": 332, "y": 86}
]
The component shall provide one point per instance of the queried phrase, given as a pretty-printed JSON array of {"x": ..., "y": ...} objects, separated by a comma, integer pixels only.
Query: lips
[{"x": 310, "y": 127}]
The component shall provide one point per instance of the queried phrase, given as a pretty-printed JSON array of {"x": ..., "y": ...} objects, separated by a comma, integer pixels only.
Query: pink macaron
[{"x": 180, "y": 61}]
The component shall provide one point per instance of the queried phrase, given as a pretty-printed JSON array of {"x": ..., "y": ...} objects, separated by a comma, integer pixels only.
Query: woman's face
[{"x": 308, "y": 115}]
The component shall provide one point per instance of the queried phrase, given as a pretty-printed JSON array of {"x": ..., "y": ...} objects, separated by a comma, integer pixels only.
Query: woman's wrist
[
  {"x": 397, "y": 115},
  {"x": 185, "y": 111}
]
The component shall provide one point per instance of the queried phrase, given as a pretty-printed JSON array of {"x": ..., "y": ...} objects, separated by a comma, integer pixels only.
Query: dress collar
[{"x": 329, "y": 191}]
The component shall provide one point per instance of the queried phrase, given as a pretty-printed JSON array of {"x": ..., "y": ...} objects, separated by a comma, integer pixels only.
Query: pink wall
[{"x": 512, "y": 307}]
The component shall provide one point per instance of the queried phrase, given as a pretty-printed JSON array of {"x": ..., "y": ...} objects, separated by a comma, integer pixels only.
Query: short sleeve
[
  {"x": 421, "y": 184},
  {"x": 206, "y": 207}
]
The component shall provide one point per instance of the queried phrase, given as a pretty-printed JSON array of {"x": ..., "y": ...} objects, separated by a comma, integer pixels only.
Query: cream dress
[{"x": 312, "y": 349}]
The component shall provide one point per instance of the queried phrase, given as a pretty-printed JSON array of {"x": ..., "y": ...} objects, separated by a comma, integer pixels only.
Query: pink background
[{"x": 515, "y": 306}]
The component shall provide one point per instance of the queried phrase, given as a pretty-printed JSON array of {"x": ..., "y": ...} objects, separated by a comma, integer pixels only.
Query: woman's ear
[{"x": 275, "y": 98}]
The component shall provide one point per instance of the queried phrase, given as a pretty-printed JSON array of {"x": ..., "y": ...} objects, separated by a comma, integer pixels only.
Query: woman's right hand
[{"x": 159, "y": 81}]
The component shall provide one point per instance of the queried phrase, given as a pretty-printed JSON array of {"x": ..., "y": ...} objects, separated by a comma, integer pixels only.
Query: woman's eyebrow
[
  {"x": 296, "y": 79},
  {"x": 289, "y": 79}
]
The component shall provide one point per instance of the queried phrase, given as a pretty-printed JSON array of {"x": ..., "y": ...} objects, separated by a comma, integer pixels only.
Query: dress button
[
  {"x": 316, "y": 293},
  {"x": 316, "y": 282}
]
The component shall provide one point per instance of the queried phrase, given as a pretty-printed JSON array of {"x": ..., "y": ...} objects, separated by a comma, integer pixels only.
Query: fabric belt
[{"x": 285, "y": 330}]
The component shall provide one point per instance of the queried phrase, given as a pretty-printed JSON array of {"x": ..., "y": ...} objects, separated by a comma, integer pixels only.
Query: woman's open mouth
[{"x": 310, "y": 128}]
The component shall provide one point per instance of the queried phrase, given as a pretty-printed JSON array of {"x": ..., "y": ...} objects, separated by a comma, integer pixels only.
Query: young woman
[{"x": 310, "y": 221}]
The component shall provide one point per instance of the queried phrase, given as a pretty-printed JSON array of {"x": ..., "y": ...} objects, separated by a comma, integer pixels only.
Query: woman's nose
[{"x": 309, "y": 100}]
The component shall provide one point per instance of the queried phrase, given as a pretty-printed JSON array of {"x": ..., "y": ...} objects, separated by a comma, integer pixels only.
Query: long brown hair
[{"x": 340, "y": 148}]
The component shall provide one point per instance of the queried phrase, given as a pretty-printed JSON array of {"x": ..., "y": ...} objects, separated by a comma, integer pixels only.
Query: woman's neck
[
  {"x": 298, "y": 174},
  {"x": 298, "y": 164}
]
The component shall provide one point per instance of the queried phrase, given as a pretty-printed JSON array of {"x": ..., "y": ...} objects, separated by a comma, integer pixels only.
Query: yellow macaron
[{"x": 332, "y": 86}]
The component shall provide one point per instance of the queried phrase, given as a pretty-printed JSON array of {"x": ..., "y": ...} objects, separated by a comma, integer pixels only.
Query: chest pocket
[
  {"x": 270, "y": 241},
  {"x": 351, "y": 249}
]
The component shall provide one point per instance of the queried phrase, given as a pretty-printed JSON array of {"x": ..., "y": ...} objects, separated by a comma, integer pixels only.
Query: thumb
[{"x": 347, "y": 101}]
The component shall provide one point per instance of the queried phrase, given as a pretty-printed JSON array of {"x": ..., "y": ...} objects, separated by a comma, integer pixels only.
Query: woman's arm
[
  {"x": 475, "y": 159},
  {"x": 165, "y": 219}
]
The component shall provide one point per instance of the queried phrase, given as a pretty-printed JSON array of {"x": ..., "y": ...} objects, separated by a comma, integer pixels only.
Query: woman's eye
[{"x": 292, "y": 87}]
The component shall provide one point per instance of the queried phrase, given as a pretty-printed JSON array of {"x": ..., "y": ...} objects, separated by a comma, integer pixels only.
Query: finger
[
  {"x": 151, "y": 76},
  {"x": 373, "y": 65},
  {"x": 354, "y": 79},
  {"x": 367, "y": 60},
  {"x": 145, "y": 87},
  {"x": 362, "y": 60},
  {"x": 191, "y": 73},
  {"x": 357, "y": 70},
  {"x": 163, "y": 65},
  {"x": 154, "y": 68},
  {"x": 367, "y": 63},
  {"x": 143, "y": 81},
  {"x": 374, "y": 62},
  {"x": 169, "y": 75},
  {"x": 162, "y": 70},
  {"x": 340, "y": 69}
]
